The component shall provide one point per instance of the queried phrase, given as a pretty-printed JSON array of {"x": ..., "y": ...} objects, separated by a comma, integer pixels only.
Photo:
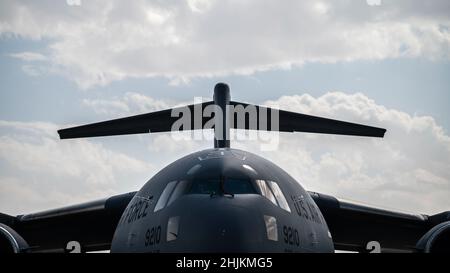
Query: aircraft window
[
  {"x": 165, "y": 195},
  {"x": 172, "y": 228},
  {"x": 279, "y": 196},
  {"x": 266, "y": 191},
  {"x": 205, "y": 186},
  {"x": 271, "y": 228},
  {"x": 179, "y": 190},
  {"x": 238, "y": 186},
  {"x": 230, "y": 186}
]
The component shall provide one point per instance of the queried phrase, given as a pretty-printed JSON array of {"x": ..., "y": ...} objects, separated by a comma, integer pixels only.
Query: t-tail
[{"x": 223, "y": 115}]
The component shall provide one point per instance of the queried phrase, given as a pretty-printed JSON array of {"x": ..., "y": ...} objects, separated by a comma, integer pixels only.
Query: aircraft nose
[{"x": 222, "y": 224}]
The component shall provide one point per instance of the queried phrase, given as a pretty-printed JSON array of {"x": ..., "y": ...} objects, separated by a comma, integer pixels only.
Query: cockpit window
[
  {"x": 205, "y": 186},
  {"x": 279, "y": 196},
  {"x": 215, "y": 186},
  {"x": 272, "y": 191},
  {"x": 165, "y": 196},
  {"x": 238, "y": 186},
  {"x": 266, "y": 191},
  {"x": 179, "y": 190}
]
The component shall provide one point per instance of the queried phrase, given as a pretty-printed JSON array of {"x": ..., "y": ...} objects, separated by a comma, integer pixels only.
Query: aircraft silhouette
[{"x": 223, "y": 199}]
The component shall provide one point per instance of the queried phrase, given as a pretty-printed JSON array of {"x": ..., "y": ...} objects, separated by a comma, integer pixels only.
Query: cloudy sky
[{"x": 69, "y": 62}]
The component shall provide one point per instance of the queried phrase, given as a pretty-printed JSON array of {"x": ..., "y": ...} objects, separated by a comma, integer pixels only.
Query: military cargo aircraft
[{"x": 223, "y": 199}]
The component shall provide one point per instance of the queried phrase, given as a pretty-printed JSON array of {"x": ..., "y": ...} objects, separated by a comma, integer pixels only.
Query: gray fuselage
[{"x": 222, "y": 200}]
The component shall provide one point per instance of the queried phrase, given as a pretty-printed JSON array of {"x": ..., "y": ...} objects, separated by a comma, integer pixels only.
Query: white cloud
[
  {"x": 28, "y": 56},
  {"x": 101, "y": 106},
  {"x": 38, "y": 171},
  {"x": 102, "y": 41},
  {"x": 34, "y": 70},
  {"x": 407, "y": 170},
  {"x": 131, "y": 103},
  {"x": 31, "y": 58}
]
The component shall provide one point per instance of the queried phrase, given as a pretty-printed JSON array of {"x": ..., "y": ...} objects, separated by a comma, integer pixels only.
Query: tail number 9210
[
  {"x": 153, "y": 236},
  {"x": 291, "y": 236}
]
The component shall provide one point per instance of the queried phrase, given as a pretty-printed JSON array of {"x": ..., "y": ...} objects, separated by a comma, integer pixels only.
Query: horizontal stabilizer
[
  {"x": 242, "y": 116},
  {"x": 155, "y": 122},
  {"x": 296, "y": 122}
]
